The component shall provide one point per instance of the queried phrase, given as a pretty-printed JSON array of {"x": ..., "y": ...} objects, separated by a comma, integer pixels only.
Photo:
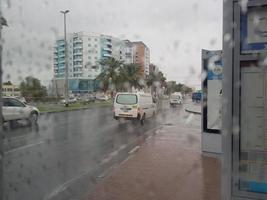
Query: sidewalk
[{"x": 169, "y": 166}]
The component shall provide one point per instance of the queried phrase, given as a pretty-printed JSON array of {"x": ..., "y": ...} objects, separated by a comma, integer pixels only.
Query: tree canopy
[
  {"x": 120, "y": 76},
  {"x": 31, "y": 87}
]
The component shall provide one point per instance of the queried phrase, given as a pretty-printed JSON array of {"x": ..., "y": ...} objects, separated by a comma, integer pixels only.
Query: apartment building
[
  {"x": 84, "y": 51},
  {"x": 10, "y": 90},
  {"x": 141, "y": 56}
]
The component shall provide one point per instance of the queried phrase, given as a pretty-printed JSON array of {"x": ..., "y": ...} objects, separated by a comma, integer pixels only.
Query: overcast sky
[{"x": 174, "y": 30}]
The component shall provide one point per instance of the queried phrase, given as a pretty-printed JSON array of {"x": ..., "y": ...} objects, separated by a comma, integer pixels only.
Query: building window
[
  {"x": 95, "y": 45},
  {"x": 96, "y": 39},
  {"x": 89, "y": 45}
]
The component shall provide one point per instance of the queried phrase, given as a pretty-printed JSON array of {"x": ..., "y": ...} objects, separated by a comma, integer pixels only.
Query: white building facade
[{"x": 85, "y": 50}]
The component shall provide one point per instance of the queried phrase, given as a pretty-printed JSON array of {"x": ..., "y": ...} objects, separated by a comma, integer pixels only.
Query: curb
[{"x": 192, "y": 111}]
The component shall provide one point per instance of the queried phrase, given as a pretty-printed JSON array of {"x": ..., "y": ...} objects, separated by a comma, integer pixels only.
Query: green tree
[
  {"x": 31, "y": 87},
  {"x": 173, "y": 87},
  {"x": 131, "y": 76},
  {"x": 110, "y": 76}
]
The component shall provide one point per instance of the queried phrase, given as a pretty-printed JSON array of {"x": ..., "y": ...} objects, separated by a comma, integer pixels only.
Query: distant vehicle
[
  {"x": 102, "y": 97},
  {"x": 176, "y": 98},
  {"x": 196, "y": 96},
  {"x": 14, "y": 109},
  {"x": 71, "y": 100},
  {"x": 134, "y": 106},
  {"x": 90, "y": 98}
]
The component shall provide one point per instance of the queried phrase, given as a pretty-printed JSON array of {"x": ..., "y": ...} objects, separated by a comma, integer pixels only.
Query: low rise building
[{"x": 10, "y": 90}]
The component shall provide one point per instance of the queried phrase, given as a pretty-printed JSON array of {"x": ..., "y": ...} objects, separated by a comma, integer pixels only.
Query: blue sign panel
[{"x": 216, "y": 72}]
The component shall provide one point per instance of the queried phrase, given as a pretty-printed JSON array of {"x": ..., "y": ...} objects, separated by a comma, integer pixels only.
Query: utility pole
[
  {"x": 3, "y": 22},
  {"x": 66, "y": 61}
]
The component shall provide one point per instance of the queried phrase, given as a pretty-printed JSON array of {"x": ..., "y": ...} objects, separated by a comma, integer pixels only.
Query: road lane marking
[{"x": 23, "y": 147}]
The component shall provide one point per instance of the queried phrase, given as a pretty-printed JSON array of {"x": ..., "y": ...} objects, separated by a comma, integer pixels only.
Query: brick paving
[{"x": 169, "y": 166}]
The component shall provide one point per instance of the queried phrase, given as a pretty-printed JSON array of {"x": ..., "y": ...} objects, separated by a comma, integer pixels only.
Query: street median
[{"x": 57, "y": 107}]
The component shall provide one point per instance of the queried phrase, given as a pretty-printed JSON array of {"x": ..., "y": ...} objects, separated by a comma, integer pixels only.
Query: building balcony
[
  {"x": 78, "y": 47},
  {"x": 107, "y": 49},
  {"x": 61, "y": 61},
  {"x": 77, "y": 53},
  {"x": 77, "y": 59},
  {"x": 107, "y": 55},
  {"x": 61, "y": 55},
  {"x": 77, "y": 66},
  {"x": 78, "y": 72},
  {"x": 77, "y": 42},
  {"x": 108, "y": 42},
  {"x": 61, "y": 44}
]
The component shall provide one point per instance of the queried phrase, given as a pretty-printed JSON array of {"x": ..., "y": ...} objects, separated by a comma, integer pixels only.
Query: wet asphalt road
[{"x": 67, "y": 153}]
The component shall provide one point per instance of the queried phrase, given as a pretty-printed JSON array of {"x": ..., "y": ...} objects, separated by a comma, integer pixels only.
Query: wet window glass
[
  {"x": 69, "y": 70},
  {"x": 126, "y": 99}
]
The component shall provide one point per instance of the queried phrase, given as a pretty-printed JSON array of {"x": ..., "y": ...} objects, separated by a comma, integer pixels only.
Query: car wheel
[
  {"x": 33, "y": 118},
  {"x": 143, "y": 119}
]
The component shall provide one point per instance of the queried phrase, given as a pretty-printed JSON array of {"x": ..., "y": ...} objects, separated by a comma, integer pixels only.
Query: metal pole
[
  {"x": 227, "y": 59},
  {"x": 1, "y": 123},
  {"x": 2, "y": 23},
  {"x": 66, "y": 61}
]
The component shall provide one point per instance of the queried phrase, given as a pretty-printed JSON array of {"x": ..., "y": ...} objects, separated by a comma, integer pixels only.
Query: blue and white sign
[
  {"x": 211, "y": 102},
  {"x": 215, "y": 73},
  {"x": 254, "y": 30}
]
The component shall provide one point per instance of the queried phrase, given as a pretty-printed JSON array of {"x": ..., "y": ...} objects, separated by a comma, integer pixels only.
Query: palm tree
[
  {"x": 131, "y": 76},
  {"x": 111, "y": 73}
]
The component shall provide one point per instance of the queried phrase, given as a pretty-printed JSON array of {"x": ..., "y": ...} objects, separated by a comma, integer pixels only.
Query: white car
[
  {"x": 14, "y": 109},
  {"x": 102, "y": 98},
  {"x": 134, "y": 106},
  {"x": 176, "y": 98},
  {"x": 71, "y": 100}
]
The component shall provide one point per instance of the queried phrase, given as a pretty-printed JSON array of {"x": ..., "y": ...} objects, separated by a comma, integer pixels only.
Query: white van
[
  {"x": 176, "y": 98},
  {"x": 134, "y": 106}
]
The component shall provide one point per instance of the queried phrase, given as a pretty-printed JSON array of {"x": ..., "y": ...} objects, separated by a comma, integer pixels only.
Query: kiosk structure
[
  {"x": 244, "y": 124},
  {"x": 211, "y": 102}
]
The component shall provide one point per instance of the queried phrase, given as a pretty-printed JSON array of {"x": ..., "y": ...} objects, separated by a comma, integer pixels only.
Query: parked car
[
  {"x": 70, "y": 100},
  {"x": 102, "y": 97},
  {"x": 134, "y": 106},
  {"x": 89, "y": 98},
  {"x": 14, "y": 109}
]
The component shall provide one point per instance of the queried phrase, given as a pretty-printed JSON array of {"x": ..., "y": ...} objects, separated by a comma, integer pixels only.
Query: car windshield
[
  {"x": 127, "y": 99},
  {"x": 175, "y": 97}
]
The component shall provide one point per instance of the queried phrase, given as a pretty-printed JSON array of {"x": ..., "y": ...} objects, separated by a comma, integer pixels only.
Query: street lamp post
[{"x": 66, "y": 61}]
